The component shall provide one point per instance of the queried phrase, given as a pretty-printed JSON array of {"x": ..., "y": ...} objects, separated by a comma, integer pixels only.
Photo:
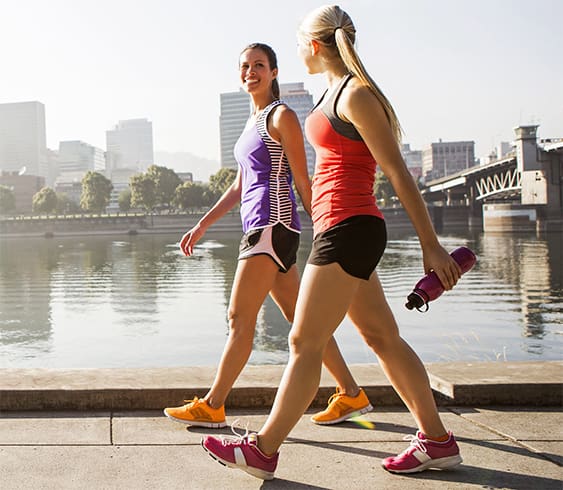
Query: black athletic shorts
[
  {"x": 277, "y": 241},
  {"x": 357, "y": 244}
]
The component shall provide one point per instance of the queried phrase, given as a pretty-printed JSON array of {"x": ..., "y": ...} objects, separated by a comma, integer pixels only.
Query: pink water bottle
[{"x": 429, "y": 287}]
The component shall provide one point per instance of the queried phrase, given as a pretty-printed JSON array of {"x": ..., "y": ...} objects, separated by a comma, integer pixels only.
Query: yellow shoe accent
[
  {"x": 198, "y": 412},
  {"x": 341, "y": 407}
]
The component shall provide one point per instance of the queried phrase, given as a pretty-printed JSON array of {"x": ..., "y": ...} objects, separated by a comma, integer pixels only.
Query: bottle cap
[{"x": 417, "y": 299}]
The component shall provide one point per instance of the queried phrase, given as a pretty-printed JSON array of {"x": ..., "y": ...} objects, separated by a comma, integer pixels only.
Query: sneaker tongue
[
  {"x": 253, "y": 438},
  {"x": 420, "y": 435}
]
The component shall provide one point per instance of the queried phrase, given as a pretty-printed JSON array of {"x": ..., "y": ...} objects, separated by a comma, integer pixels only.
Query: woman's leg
[
  {"x": 324, "y": 297},
  {"x": 372, "y": 316},
  {"x": 284, "y": 293},
  {"x": 254, "y": 278}
]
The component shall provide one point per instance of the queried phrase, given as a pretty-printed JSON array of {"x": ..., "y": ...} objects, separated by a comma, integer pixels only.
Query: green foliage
[
  {"x": 220, "y": 181},
  {"x": 66, "y": 205},
  {"x": 190, "y": 195},
  {"x": 45, "y": 201},
  {"x": 165, "y": 181},
  {"x": 7, "y": 200},
  {"x": 124, "y": 200},
  {"x": 143, "y": 191},
  {"x": 382, "y": 189},
  {"x": 96, "y": 192}
]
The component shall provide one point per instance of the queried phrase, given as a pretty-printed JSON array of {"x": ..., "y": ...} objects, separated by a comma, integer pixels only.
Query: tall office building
[
  {"x": 301, "y": 101},
  {"x": 23, "y": 144},
  {"x": 130, "y": 146},
  {"x": 235, "y": 110},
  {"x": 446, "y": 158},
  {"x": 75, "y": 159},
  {"x": 77, "y": 156}
]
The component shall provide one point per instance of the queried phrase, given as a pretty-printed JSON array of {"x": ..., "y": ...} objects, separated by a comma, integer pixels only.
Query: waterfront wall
[{"x": 450, "y": 217}]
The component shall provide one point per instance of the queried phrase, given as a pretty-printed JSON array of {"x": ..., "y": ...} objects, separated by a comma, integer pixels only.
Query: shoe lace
[
  {"x": 194, "y": 400},
  {"x": 415, "y": 442},
  {"x": 236, "y": 438},
  {"x": 335, "y": 396}
]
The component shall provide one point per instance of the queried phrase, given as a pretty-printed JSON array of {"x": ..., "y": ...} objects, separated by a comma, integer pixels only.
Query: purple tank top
[{"x": 267, "y": 195}]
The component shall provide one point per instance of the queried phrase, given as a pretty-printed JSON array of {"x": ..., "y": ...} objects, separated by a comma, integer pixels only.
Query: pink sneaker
[
  {"x": 423, "y": 454},
  {"x": 241, "y": 451}
]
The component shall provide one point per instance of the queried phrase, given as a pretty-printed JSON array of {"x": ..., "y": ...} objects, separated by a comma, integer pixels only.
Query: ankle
[
  {"x": 352, "y": 391},
  {"x": 264, "y": 449},
  {"x": 438, "y": 438},
  {"x": 213, "y": 403}
]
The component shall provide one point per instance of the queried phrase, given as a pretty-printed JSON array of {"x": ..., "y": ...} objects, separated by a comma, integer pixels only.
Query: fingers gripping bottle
[{"x": 429, "y": 287}]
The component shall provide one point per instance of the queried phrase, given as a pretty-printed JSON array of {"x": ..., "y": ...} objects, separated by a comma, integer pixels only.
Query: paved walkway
[{"x": 504, "y": 446}]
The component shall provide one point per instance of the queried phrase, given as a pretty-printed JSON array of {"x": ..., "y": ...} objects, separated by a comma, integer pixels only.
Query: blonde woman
[
  {"x": 270, "y": 153},
  {"x": 352, "y": 127}
]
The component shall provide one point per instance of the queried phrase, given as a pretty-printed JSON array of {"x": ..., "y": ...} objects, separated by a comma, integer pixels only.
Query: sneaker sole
[
  {"x": 209, "y": 425},
  {"x": 255, "y": 472},
  {"x": 438, "y": 464},
  {"x": 355, "y": 413}
]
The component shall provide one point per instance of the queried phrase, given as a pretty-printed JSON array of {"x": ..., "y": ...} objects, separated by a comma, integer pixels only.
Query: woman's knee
[
  {"x": 305, "y": 343},
  {"x": 241, "y": 325}
]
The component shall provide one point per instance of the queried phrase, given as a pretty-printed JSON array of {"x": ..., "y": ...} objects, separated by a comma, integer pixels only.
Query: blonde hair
[{"x": 333, "y": 28}]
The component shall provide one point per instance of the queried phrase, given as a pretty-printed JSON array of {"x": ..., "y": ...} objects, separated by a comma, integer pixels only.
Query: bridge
[{"x": 522, "y": 190}]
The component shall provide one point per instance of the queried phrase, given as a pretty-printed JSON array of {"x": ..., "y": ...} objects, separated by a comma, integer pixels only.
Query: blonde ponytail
[{"x": 333, "y": 28}]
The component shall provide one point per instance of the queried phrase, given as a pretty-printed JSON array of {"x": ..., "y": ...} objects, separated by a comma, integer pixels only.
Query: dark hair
[{"x": 272, "y": 60}]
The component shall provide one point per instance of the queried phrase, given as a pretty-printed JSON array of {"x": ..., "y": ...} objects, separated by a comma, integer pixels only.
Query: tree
[
  {"x": 7, "y": 199},
  {"x": 190, "y": 195},
  {"x": 220, "y": 181},
  {"x": 165, "y": 181},
  {"x": 124, "y": 200},
  {"x": 45, "y": 201},
  {"x": 143, "y": 191},
  {"x": 96, "y": 192},
  {"x": 382, "y": 189},
  {"x": 66, "y": 205}
]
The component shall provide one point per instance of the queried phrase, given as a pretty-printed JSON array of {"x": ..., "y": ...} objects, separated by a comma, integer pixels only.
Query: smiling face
[{"x": 255, "y": 73}]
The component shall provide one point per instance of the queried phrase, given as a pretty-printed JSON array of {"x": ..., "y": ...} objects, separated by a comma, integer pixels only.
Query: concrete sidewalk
[
  {"x": 505, "y": 444},
  {"x": 516, "y": 448}
]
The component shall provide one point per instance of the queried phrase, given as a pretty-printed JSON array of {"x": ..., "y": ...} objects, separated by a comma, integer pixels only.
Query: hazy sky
[{"x": 456, "y": 70}]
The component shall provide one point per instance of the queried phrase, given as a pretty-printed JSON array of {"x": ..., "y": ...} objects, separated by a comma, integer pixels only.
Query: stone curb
[{"x": 460, "y": 384}]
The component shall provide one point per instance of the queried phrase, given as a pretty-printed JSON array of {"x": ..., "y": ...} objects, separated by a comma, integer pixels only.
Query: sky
[{"x": 453, "y": 69}]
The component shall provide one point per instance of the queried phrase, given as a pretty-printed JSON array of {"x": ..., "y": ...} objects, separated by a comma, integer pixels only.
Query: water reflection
[{"x": 106, "y": 301}]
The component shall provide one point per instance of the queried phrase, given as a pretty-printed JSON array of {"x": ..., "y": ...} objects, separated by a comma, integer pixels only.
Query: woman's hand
[
  {"x": 446, "y": 268},
  {"x": 190, "y": 238}
]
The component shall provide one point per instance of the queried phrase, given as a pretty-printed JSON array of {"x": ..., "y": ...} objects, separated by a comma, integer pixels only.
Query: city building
[
  {"x": 301, "y": 101},
  {"x": 413, "y": 159},
  {"x": 70, "y": 184},
  {"x": 235, "y": 110},
  {"x": 129, "y": 146},
  {"x": 78, "y": 156},
  {"x": 185, "y": 176},
  {"x": 23, "y": 146},
  {"x": 446, "y": 158},
  {"x": 24, "y": 188},
  {"x": 129, "y": 151}
]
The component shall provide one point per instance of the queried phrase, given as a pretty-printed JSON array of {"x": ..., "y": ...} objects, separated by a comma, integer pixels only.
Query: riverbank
[{"x": 141, "y": 223}]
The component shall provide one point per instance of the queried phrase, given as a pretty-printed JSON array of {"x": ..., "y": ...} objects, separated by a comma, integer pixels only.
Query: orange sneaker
[
  {"x": 341, "y": 407},
  {"x": 198, "y": 412}
]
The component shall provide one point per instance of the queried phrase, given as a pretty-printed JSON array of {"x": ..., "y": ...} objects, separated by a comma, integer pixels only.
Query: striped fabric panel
[{"x": 280, "y": 209}]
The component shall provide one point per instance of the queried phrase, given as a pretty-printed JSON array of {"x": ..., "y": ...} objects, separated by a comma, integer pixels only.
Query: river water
[{"x": 120, "y": 301}]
